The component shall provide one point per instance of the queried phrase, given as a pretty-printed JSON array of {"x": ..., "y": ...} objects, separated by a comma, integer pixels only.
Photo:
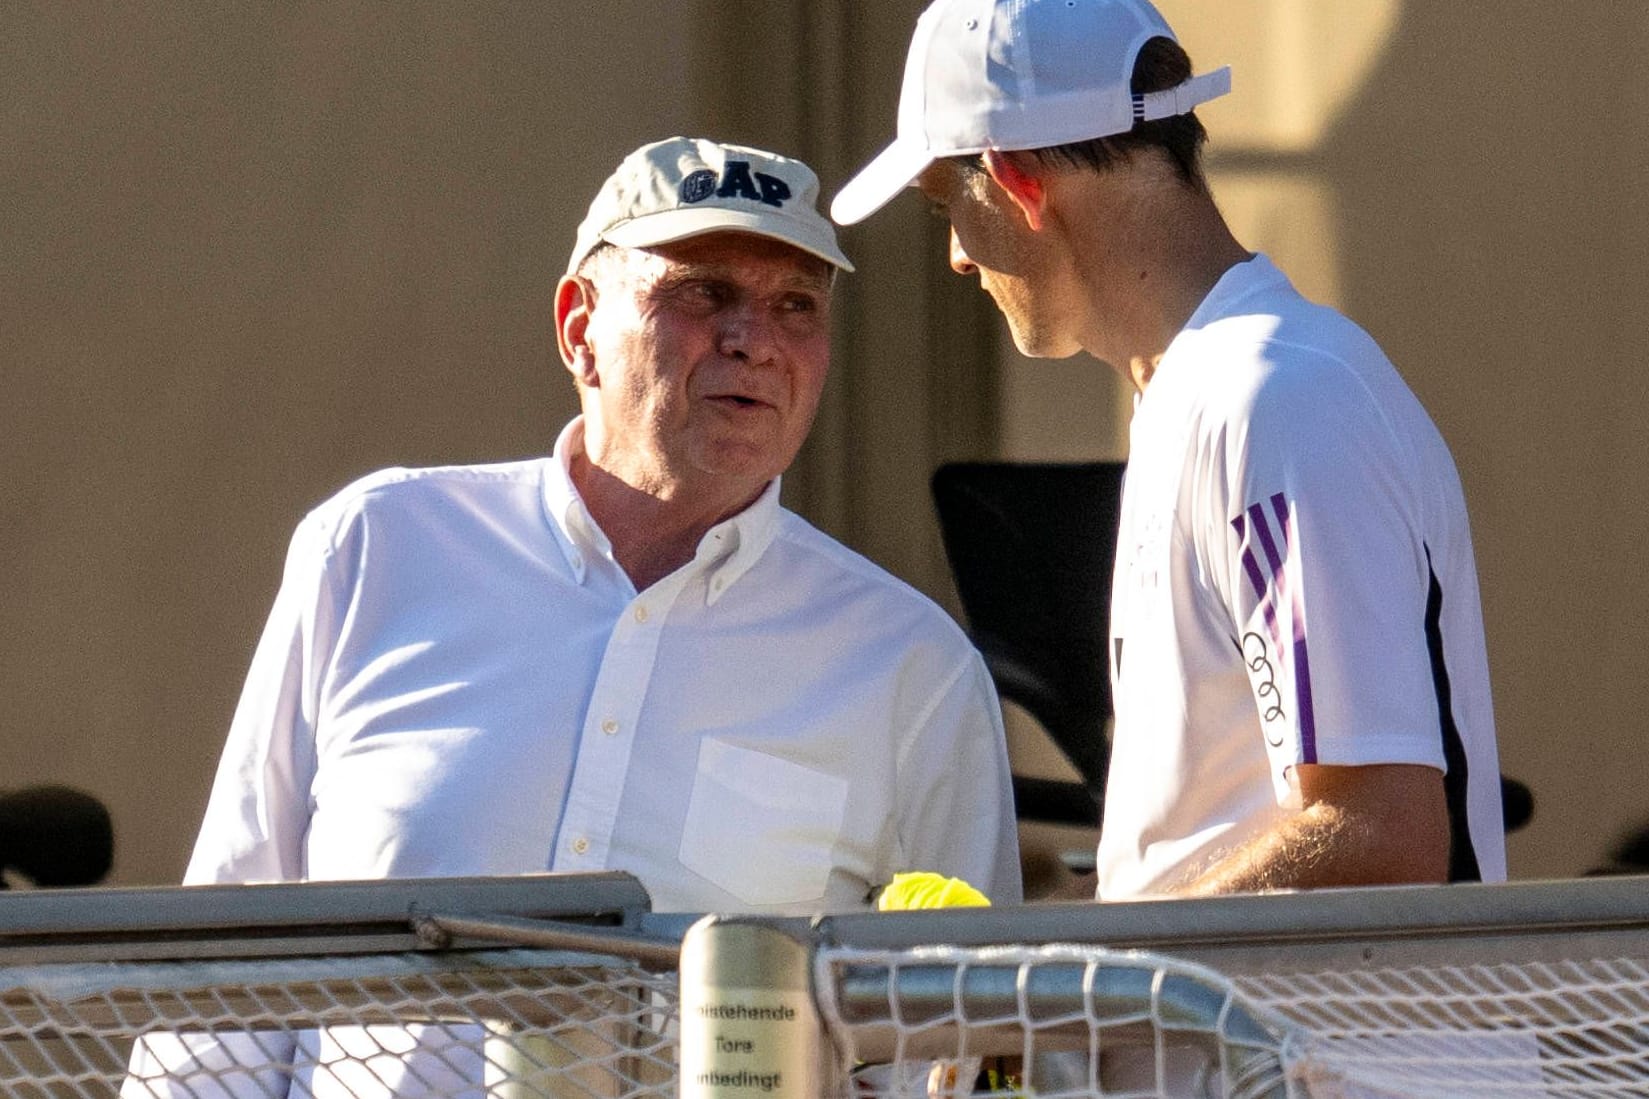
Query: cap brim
[
  {"x": 673, "y": 225},
  {"x": 892, "y": 171}
]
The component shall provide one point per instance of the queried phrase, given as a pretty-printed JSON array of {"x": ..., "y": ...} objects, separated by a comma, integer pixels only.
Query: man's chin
[
  {"x": 755, "y": 463},
  {"x": 1041, "y": 345}
]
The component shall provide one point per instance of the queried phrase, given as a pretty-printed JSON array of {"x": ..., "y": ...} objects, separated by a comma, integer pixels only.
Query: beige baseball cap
[{"x": 686, "y": 186}]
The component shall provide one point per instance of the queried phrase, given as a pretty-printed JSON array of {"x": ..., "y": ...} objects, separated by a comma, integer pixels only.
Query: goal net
[
  {"x": 1047, "y": 1021},
  {"x": 1062, "y": 1022},
  {"x": 512, "y": 1023},
  {"x": 360, "y": 990},
  {"x": 1525, "y": 990}
]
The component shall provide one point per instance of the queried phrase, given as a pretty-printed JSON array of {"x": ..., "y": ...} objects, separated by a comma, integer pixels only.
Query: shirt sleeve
[
  {"x": 258, "y": 813},
  {"x": 1322, "y": 539},
  {"x": 956, "y": 814},
  {"x": 255, "y": 823}
]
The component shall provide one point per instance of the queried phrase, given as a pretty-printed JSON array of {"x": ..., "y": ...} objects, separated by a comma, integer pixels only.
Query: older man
[
  {"x": 626, "y": 655},
  {"x": 1297, "y": 653}
]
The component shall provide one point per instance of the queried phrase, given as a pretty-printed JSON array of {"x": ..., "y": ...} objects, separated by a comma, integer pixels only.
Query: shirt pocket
[{"x": 762, "y": 828}]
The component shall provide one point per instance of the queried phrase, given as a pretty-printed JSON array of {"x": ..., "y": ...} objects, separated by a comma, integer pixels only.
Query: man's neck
[
  {"x": 653, "y": 531},
  {"x": 1145, "y": 264}
]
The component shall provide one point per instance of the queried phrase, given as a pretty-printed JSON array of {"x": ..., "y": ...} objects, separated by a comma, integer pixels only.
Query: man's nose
[
  {"x": 747, "y": 333},
  {"x": 959, "y": 261}
]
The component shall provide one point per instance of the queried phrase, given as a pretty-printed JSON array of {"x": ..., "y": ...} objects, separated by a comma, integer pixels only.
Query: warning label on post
[{"x": 741, "y": 1043}]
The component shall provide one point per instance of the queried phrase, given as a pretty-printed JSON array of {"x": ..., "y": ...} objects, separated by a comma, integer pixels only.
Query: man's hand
[{"x": 1384, "y": 824}]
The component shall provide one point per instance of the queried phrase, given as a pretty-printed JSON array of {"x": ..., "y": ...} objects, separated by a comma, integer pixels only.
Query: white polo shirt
[
  {"x": 457, "y": 678},
  {"x": 1294, "y": 584}
]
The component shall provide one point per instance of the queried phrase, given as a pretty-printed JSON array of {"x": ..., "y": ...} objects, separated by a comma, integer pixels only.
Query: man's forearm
[
  {"x": 1316, "y": 848},
  {"x": 1369, "y": 826}
]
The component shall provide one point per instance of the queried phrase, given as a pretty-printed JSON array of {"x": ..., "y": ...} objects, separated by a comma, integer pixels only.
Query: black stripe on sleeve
[{"x": 1462, "y": 856}]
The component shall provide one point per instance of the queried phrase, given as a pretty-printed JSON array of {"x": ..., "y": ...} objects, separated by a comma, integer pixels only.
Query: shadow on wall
[
  {"x": 1629, "y": 856},
  {"x": 1495, "y": 243}
]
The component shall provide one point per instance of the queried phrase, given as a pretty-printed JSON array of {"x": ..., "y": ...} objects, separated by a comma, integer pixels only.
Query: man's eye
[
  {"x": 801, "y": 303},
  {"x": 701, "y": 292}
]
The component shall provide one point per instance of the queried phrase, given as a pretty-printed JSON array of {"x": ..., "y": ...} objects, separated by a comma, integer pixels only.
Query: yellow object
[{"x": 925, "y": 889}]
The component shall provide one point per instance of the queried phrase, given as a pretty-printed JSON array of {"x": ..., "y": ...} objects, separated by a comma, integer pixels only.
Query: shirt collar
[
  {"x": 726, "y": 552},
  {"x": 579, "y": 535},
  {"x": 1239, "y": 280},
  {"x": 732, "y": 546}
]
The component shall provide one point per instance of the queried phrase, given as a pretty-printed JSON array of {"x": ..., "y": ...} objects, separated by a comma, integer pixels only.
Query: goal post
[
  {"x": 1073, "y": 1019},
  {"x": 1528, "y": 989}
]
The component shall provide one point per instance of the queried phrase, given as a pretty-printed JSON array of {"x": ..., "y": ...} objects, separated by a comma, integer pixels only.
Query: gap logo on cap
[{"x": 738, "y": 181}]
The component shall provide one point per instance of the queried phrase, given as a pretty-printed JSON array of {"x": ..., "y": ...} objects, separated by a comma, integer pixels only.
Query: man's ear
[
  {"x": 574, "y": 302},
  {"x": 1010, "y": 172}
]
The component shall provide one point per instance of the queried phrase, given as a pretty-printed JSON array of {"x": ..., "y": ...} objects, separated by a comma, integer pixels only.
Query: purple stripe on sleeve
[
  {"x": 1262, "y": 531},
  {"x": 1302, "y": 689},
  {"x": 1255, "y": 576},
  {"x": 1282, "y": 584},
  {"x": 1267, "y": 604},
  {"x": 1279, "y": 507},
  {"x": 1302, "y": 664}
]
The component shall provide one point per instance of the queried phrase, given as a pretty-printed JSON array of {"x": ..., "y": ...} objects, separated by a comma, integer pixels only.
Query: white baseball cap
[
  {"x": 1018, "y": 74},
  {"x": 686, "y": 186}
]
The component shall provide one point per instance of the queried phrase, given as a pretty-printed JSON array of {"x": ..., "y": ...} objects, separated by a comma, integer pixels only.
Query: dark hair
[{"x": 1161, "y": 64}]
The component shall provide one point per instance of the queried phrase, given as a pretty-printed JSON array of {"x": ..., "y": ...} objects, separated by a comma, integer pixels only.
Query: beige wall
[{"x": 246, "y": 255}]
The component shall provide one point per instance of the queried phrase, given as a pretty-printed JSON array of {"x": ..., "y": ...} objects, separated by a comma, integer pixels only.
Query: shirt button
[
  {"x": 609, "y": 726},
  {"x": 641, "y": 614},
  {"x": 580, "y": 845},
  {"x": 718, "y": 584}
]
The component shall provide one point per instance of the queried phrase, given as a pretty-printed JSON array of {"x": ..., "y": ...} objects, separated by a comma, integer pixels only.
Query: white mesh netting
[
  {"x": 1570, "y": 1029},
  {"x": 1056, "y": 1022},
  {"x": 1079, "y": 1022},
  {"x": 512, "y": 1023}
]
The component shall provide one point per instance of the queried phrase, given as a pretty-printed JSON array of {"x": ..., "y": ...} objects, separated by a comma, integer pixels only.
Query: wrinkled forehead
[{"x": 731, "y": 255}]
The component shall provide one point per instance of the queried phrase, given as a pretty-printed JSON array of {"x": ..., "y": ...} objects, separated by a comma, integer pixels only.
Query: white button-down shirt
[{"x": 457, "y": 678}]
